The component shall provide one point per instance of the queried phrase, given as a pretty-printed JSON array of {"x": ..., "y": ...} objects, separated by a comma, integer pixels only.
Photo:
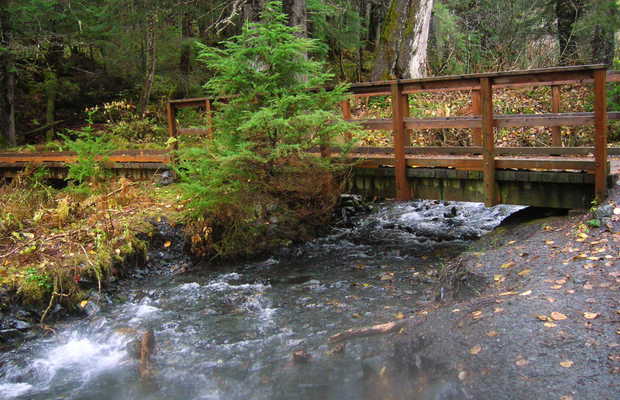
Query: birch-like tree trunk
[
  {"x": 151, "y": 62},
  {"x": 567, "y": 13},
  {"x": 401, "y": 52}
]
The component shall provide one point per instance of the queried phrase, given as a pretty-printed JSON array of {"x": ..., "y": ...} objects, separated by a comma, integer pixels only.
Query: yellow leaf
[
  {"x": 399, "y": 315},
  {"x": 507, "y": 265},
  {"x": 83, "y": 303},
  {"x": 492, "y": 333},
  {"x": 475, "y": 350},
  {"x": 590, "y": 315},
  {"x": 542, "y": 317},
  {"x": 507, "y": 293},
  {"x": 525, "y": 272},
  {"x": 521, "y": 362},
  {"x": 498, "y": 309},
  {"x": 566, "y": 364},
  {"x": 476, "y": 314},
  {"x": 526, "y": 293},
  {"x": 499, "y": 278},
  {"x": 556, "y": 287},
  {"x": 549, "y": 242},
  {"x": 582, "y": 235},
  {"x": 168, "y": 244},
  {"x": 550, "y": 324},
  {"x": 557, "y": 316}
]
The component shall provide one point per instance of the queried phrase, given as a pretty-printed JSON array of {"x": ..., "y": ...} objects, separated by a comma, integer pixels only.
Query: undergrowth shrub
[
  {"x": 254, "y": 186},
  {"x": 92, "y": 152}
]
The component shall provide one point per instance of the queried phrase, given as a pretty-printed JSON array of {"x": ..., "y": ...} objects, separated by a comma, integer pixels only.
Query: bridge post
[
  {"x": 209, "y": 112},
  {"x": 403, "y": 190},
  {"x": 346, "y": 114},
  {"x": 475, "y": 110},
  {"x": 556, "y": 137},
  {"x": 172, "y": 122},
  {"x": 600, "y": 134},
  {"x": 488, "y": 142}
]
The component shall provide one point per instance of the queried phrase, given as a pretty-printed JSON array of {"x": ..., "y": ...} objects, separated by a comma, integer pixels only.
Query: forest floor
[{"x": 547, "y": 326}]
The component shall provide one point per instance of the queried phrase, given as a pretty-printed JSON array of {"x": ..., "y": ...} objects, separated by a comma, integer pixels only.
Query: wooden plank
[
  {"x": 405, "y": 114},
  {"x": 546, "y": 164},
  {"x": 403, "y": 192},
  {"x": 556, "y": 138},
  {"x": 545, "y": 151},
  {"x": 375, "y": 124},
  {"x": 476, "y": 108},
  {"x": 193, "y": 131},
  {"x": 546, "y": 120},
  {"x": 488, "y": 142},
  {"x": 600, "y": 135}
]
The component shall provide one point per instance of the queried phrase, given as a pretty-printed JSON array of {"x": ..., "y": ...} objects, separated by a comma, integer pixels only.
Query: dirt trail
[{"x": 547, "y": 326}]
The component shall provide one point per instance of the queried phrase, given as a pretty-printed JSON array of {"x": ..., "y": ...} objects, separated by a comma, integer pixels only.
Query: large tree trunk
[
  {"x": 151, "y": 62},
  {"x": 252, "y": 10},
  {"x": 567, "y": 13},
  {"x": 7, "y": 78},
  {"x": 297, "y": 16},
  {"x": 404, "y": 38}
]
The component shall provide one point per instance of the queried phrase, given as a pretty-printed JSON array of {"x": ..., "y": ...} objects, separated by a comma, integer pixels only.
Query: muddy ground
[{"x": 544, "y": 325}]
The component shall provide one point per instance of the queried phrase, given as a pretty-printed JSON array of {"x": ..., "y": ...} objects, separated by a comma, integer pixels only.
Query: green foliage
[
  {"x": 276, "y": 110},
  {"x": 92, "y": 152}
]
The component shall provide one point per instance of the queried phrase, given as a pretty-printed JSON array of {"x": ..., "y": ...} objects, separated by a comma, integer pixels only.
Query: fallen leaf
[
  {"x": 399, "y": 315},
  {"x": 507, "y": 265},
  {"x": 616, "y": 211},
  {"x": 499, "y": 278},
  {"x": 526, "y": 293},
  {"x": 549, "y": 325},
  {"x": 498, "y": 309},
  {"x": 462, "y": 375},
  {"x": 83, "y": 303},
  {"x": 582, "y": 235},
  {"x": 557, "y": 316},
  {"x": 550, "y": 299},
  {"x": 168, "y": 244},
  {"x": 475, "y": 350},
  {"x": 549, "y": 242},
  {"x": 476, "y": 314},
  {"x": 522, "y": 362},
  {"x": 567, "y": 397},
  {"x": 525, "y": 272},
  {"x": 507, "y": 293},
  {"x": 566, "y": 363},
  {"x": 561, "y": 281},
  {"x": 542, "y": 317},
  {"x": 492, "y": 333},
  {"x": 590, "y": 315},
  {"x": 556, "y": 287}
]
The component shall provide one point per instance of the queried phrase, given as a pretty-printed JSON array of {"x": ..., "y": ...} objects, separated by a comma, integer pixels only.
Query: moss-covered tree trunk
[
  {"x": 7, "y": 78},
  {"x": 151, "y": 62},
  {"x": 603, "y": 40},
  {"x": 401, "y": 52}
]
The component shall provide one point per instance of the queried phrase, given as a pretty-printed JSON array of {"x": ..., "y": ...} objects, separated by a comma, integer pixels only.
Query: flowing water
[{"x": 230, "y": 333}]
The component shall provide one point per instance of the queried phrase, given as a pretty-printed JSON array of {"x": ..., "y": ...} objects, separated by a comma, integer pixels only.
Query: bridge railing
[
  {"x": 484, "y": 121},
  {"x": 483, "y": 155}
]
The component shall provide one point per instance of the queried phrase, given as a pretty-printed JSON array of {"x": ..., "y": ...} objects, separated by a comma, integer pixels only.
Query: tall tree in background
[
  {"x": 404, "y": 39},
  {"x": 7, "y": 78},
  {"x": 604, "y": 17},
  {"x": 567, "y": 13}
]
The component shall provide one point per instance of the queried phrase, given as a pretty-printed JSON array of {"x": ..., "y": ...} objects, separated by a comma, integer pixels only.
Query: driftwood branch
[{"x": 380, "y": 329}]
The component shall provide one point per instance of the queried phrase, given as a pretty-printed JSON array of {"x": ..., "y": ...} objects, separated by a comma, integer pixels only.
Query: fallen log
[{"x": 387, "y": 327}]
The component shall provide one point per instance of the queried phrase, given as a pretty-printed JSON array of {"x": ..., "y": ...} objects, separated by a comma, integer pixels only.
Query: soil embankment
[{"x": 546, "y": 325}]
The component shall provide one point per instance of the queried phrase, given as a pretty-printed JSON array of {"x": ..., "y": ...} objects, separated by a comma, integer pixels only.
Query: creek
[{"x": 229, "y": 332}]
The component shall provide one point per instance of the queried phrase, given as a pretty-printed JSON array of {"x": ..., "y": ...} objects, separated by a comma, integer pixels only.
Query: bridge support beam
[
  {"x": 399, "y": 103},
  {"x": 488, "y": 142},
  {"x": 600, "y": 135}
]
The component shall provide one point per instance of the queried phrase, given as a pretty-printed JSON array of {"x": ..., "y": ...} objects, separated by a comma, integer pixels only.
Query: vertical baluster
[
  {"x": 475, "y": 110},
  {"x": 403, "y": 192},
  {"x": 600, "y": 134},
  {"x": 556, "y": 138},
  {"x": 488, "y": 142}
]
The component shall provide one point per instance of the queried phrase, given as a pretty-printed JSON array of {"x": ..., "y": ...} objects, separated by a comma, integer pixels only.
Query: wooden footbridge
[{"x": 555, "y": 176}]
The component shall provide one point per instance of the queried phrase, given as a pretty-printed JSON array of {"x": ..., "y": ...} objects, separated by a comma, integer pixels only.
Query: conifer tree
[{"x": 255, "y": 183}]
